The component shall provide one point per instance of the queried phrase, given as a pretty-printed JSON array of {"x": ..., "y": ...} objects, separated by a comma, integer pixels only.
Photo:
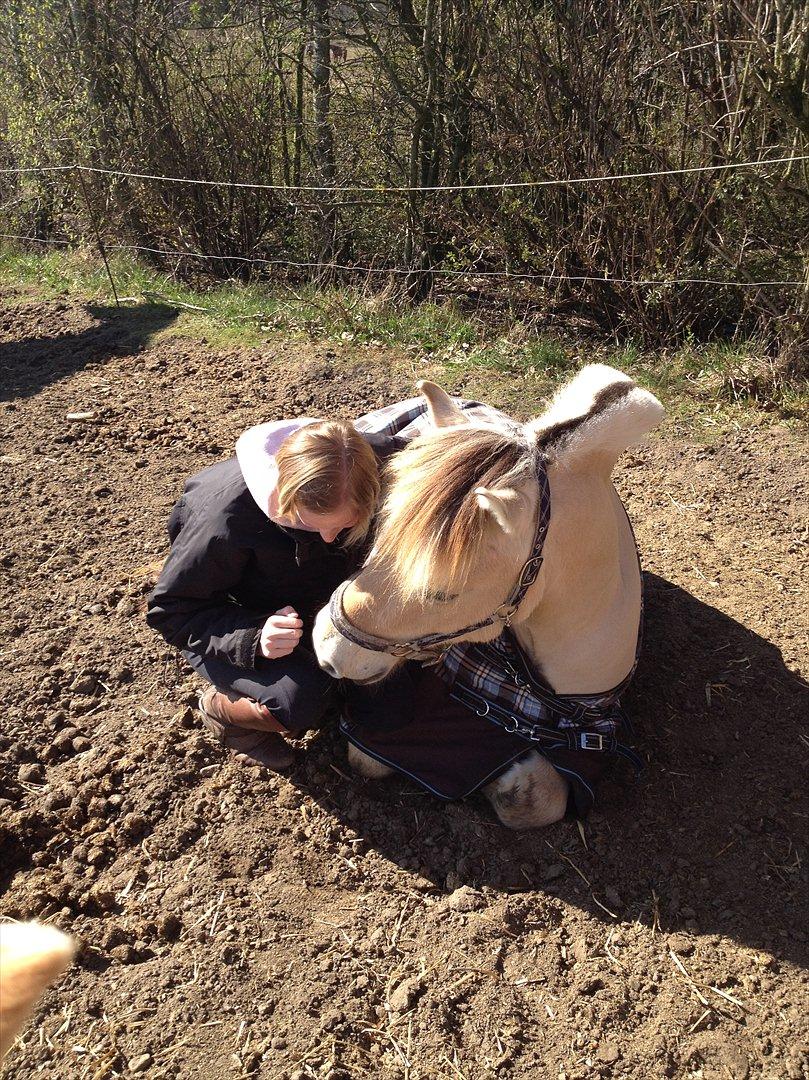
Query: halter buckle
[
  {"x": 402, "y": 651},
  {"x": 591, "y": 740}
]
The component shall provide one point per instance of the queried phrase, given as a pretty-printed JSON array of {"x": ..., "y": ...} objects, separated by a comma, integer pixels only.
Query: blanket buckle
[{"x": 591, "y": 740}]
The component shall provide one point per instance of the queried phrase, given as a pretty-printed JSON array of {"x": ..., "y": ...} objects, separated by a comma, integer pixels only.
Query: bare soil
[{"x": 234, "y": 923}]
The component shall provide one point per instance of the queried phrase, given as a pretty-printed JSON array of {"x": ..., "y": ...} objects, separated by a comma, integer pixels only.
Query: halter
[{"x": 436, "y": 645}]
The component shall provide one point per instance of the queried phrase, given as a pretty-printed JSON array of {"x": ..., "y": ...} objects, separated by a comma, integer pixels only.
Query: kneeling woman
[{"x": 258, "y": 544}]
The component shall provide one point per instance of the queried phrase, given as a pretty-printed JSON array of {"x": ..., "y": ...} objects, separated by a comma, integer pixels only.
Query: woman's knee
[{"x": 300, "y": 704}]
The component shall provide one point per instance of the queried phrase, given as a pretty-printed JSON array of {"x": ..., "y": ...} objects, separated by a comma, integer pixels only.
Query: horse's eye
[{"x": 439, "y": 597}]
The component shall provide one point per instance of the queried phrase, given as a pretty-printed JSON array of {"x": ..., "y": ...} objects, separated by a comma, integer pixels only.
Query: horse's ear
[
  {"x": 499, "y": 503},
  {"x": 595, "y": 416},
  {"x": 441, "y": 408}
]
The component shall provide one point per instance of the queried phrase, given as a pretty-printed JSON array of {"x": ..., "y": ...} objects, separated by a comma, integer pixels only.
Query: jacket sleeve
[{"x": 191, "y": 605}]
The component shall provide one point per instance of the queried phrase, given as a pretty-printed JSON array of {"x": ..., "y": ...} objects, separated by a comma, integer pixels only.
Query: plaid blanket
[
  {"x": 455, "y": 728},
  {"x": 498, "y": 674},
  {"x": 409, "y": 418}
]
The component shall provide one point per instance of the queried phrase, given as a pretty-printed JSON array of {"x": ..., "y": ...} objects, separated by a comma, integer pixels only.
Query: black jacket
[{"x": 230, "y": 567}]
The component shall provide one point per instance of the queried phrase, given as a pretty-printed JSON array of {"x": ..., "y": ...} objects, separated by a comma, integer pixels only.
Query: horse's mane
[{"x": 429, "y": 531}]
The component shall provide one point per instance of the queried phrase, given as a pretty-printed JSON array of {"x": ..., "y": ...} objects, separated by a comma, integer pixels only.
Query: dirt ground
[{"x": 235, "y": 923}]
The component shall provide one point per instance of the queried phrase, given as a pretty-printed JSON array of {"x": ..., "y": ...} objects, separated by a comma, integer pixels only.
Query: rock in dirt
[
  {"x": 64, "y": 740},
  {"x": 84, "y": 684},
  {"x": 405, "y": 995},
  {"x": 681, "y": 944},
  {"x": 57, "y": 800},
  {"x": 140, "y": 1063},
  {"x": 608, "y": 1052},
  {"x": 466, "y": 899}
]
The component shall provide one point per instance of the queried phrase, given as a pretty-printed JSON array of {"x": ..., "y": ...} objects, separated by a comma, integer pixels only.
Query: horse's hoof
[
  {"x": 528, "y": 795},
  {"x": 366, "y": 766}
]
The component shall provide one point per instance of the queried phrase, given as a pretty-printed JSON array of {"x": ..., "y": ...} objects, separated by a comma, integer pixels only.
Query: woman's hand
[{"x": 281, "y": 633}]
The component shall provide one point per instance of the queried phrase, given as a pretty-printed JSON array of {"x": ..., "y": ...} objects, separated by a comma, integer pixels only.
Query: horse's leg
[
  {"x": 529, "y": 794},
  {"x": 365, "y": 765}
]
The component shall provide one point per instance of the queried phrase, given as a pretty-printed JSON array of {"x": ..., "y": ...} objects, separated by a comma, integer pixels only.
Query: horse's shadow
[
  {"x": 707, "y": 840},
  {"x": 30, "y": 364}
]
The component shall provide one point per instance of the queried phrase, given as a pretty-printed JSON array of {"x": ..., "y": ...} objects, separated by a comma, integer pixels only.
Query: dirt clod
[
  {"x": 608, "y": 1052},
  {"x": 405, "y": 995},
  {"x": 466, "y": 899},
  {"x": 31, "y": 774}
]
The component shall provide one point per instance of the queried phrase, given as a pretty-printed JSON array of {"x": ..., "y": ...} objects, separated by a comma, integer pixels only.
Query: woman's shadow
[
  {"x": 29, "y": 364},
  {"x": 708, "y": 839}
]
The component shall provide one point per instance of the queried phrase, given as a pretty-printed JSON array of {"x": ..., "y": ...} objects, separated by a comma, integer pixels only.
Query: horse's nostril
[{"x": 328, "y": 668}]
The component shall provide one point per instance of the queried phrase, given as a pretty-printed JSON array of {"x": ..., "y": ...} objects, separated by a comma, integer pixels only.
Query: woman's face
[{"x": 329, "y": 525}]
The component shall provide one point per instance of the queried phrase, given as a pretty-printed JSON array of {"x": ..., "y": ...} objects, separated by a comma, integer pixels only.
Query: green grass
[
  {"x": 235, "y": 313},
  {"x": 712, "y": 386}
]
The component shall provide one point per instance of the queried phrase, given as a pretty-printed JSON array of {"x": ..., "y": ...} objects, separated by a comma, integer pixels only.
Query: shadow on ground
[
  {"x": 707, "y": 840},
  {"x": 29, "y": 364}
]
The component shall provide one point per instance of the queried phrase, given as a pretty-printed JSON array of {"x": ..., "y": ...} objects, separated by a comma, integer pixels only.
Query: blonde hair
[
  {"x": 431, "y": 525},
  {"x": 327, "y": 465}
]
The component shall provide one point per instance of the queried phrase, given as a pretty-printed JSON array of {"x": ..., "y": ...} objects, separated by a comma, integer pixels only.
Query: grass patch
[
  {"x": 235, "y": 313},
  {"x": 511, "y": 361}
]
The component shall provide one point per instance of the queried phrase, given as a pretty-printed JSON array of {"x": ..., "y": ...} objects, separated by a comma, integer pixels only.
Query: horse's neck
[{"x": 582, "y": 634}]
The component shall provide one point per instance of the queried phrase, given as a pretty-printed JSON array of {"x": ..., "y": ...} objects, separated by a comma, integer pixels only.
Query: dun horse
[{"x": 517, "y": 534}]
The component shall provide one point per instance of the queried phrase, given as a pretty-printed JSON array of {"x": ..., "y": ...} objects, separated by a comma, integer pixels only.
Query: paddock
[{"x": 233, "y": 923}]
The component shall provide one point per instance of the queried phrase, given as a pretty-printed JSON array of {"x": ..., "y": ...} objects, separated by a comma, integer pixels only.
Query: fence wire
[
  {"x": 404, "y": 190},
  {"x": 468, "y": 272}
]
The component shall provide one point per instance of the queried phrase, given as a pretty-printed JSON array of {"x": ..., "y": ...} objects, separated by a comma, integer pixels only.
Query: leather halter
[{"x": 435, "y": 645}]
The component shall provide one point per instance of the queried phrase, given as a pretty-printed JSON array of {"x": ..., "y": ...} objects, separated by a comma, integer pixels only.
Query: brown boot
[{"x": 246, "y": 728}]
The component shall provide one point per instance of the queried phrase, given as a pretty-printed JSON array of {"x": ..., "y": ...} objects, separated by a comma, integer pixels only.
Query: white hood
[{"x": 255, "y": 452}]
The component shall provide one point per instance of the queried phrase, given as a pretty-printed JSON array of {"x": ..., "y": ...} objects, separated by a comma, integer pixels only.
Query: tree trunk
[
  {"x": 324, "y": 137},
  {"x": 299, "y": 97}
]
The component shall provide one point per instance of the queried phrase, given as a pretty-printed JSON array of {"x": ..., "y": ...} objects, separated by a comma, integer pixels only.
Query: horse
[{"x": 461, "y": 554}]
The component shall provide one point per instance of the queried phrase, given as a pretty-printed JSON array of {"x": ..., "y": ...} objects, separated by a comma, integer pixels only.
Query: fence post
[{"x": 96, "y": 230}]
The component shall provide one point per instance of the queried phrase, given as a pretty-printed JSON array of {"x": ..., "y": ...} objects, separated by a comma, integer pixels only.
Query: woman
[{"x": 258, "y": 544}]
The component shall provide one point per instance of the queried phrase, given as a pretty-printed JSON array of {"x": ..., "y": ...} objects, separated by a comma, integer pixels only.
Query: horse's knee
[
  {"x": 529, "y": 794},
  {"x": 365, "y": 765}
]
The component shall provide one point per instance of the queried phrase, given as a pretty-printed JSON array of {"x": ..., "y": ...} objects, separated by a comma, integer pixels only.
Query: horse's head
[{"x": 458, "y": 523}]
